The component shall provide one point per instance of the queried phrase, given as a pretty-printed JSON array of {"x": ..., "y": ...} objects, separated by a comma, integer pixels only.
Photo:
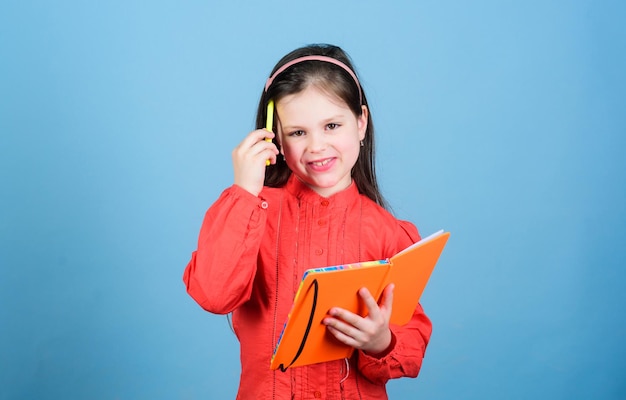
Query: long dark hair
[{"x": 336, "y": 80}]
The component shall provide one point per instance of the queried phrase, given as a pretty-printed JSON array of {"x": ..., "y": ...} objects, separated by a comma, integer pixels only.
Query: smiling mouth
[{"x": 321, "y": 163}]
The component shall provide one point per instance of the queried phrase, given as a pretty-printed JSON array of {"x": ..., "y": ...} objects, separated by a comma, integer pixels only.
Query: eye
[
  {"x": 296, "y": 133},
  {"x": 332, "y": 126}
]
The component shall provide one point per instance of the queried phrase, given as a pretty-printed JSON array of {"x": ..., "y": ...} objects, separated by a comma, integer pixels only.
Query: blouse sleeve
[
  {"x": 220, "y": 274},
  {"x": 404, "y": 357}
]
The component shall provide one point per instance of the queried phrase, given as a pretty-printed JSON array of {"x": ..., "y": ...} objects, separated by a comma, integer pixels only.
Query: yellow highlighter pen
[{"x": 269, "y": 122}]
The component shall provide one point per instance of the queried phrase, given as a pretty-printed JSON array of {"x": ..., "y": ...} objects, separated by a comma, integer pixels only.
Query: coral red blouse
[{"x": 252, "y": 253}]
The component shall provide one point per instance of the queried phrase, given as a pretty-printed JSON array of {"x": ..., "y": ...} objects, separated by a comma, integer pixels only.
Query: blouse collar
[{"x": 300, "y": 190}]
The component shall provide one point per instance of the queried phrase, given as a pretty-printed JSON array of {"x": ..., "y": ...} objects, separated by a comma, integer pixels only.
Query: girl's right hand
[{"x": 249, "y": 160}]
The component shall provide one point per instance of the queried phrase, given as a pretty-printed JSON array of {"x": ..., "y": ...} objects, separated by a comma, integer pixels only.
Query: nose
[{"x": 317, "y": 142}]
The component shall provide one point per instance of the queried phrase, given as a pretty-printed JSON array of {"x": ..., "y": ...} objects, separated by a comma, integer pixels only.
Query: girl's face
[{"x": 320, "y": 138}]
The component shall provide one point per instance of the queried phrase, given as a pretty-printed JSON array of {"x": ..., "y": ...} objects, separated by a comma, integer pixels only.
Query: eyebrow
[{"x": 337, "y": 117}]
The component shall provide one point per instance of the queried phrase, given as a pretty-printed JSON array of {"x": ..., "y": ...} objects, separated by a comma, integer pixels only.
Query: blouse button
[
  {"x": 319, "y": 252},
  {"x": 264, "y": 205},
  {"x": 317, "y": 394},
  {"x": 324, "y": 203},
  {"x": 321, "y": 222}
]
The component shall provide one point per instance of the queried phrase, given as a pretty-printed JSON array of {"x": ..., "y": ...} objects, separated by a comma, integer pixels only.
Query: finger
[
  {"x": 345, "y": 332},
  {"x": 261, "y": 150},
  {"x": 339, "y": 325},
  {"x": 369, "y": 301},
  {"x": 387, "y": 300},
  {"x": 343, "y": 337},
  {"x": 272, "y": 157},
  {"x": 255, "y": 137},
  {"x": 346, "y": 316}
]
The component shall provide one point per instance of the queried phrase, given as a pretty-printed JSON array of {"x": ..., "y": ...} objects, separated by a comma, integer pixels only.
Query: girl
[{"x": 316, "y": 204}]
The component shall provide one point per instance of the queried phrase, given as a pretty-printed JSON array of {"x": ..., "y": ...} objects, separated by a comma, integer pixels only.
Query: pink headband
[{"x": 315, "y": 58}]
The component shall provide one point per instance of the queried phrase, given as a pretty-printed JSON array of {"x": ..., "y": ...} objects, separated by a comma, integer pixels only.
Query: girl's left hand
[{"x": 370, "y": 334}]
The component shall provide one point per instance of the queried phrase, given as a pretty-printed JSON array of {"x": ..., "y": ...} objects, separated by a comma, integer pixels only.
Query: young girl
[{"x": 316, "y": 204}]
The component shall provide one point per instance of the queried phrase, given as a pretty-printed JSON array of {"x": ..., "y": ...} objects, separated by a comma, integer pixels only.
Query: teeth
[{"x": 321, "y": 163}]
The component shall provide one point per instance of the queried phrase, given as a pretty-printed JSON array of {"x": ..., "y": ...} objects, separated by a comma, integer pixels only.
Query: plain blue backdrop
[{"x": 502, "y": 122}]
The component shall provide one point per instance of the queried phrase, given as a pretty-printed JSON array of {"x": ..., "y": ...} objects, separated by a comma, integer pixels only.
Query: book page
[{"x": 422, "y": 241}]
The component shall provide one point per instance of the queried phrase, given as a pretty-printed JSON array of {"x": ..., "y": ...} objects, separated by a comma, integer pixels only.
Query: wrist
[{"x": 387, "y": 350}]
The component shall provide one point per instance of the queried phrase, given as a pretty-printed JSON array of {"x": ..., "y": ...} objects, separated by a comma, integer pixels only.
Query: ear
[{"x": 362, "y": 122}]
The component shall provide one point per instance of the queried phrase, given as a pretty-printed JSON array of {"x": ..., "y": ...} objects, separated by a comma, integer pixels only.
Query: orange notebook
[{"x": 305, "y": 340}]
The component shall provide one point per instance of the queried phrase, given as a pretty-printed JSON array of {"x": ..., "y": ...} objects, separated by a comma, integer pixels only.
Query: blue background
[{"x": 500, "y": 121}]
